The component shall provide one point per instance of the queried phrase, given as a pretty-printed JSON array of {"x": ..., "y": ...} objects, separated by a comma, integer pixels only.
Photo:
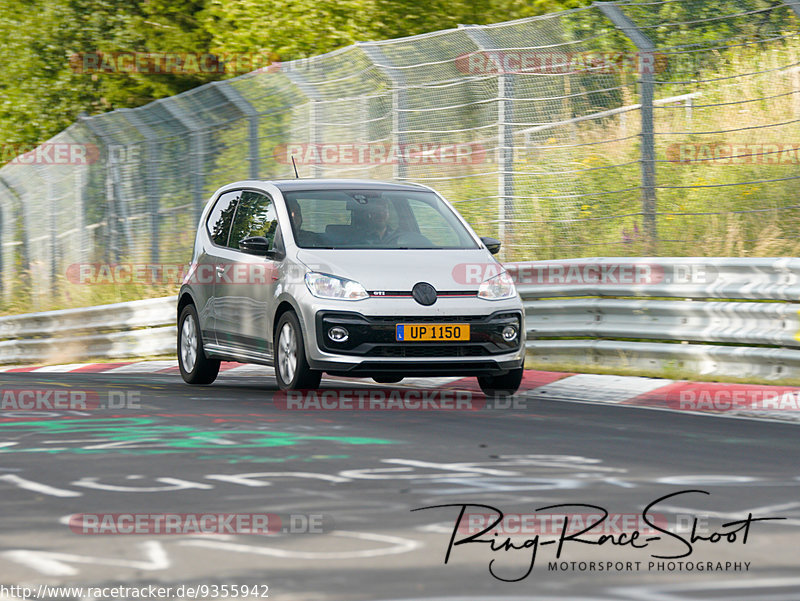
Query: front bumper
[
  {"x": 371, "y": 348},
  {"x": 374, "y": 336}
]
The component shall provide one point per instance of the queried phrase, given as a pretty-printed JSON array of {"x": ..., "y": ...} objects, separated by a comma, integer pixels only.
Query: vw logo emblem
[{"x": 424, "y": 293}]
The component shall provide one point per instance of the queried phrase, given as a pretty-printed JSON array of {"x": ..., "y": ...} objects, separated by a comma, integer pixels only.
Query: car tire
[
  {"x": 291, "y": 366},
  {"x": 195, "y": 367},
  {"x": 501, "y": 387},
  {"x": 388, "y": 379}
]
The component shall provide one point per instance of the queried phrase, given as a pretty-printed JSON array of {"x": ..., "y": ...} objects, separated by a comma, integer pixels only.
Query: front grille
[
  {"x": 392, "y": 320},
  {"x": 427, "y": 351}
]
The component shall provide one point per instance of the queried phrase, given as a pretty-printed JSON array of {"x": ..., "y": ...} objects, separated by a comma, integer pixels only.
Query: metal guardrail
[
  {"x": 671, "y": 316},
  {"x": 775, "y": 279},
  {"x": 133, "y": 329}
]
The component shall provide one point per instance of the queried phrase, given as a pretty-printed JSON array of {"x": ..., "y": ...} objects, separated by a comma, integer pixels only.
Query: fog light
[
  {"x": 509, "y": 333},
  {"x": 338, "y": 334}
]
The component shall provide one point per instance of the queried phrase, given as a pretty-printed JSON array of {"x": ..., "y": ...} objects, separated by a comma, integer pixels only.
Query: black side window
[
  {"x": 221, "y": 217},
  {"x": 255, "y": 217}
]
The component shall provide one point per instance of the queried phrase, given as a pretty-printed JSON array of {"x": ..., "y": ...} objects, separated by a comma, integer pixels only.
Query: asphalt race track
[{"x": 356, "y": 476}]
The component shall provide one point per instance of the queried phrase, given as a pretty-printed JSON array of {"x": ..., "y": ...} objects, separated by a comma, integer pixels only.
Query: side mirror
[
  {"x": 254, "y": 245},
  {"x": 276, "y": 254},
  {"x": 492, "y": 244}
]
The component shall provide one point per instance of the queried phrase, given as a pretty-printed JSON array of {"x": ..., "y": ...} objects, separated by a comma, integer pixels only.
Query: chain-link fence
[{"x": 667, "y": 127}]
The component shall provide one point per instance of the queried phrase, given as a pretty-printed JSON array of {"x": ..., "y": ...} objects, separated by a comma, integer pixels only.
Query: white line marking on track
[
  {"x": 398, "y": 545},
  {"x": 171, "y": 484},
  {"x": 56, "y": 564},
  {"x": 44, "y": 489}
]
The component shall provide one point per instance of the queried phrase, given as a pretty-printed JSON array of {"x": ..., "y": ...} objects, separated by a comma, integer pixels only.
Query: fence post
[
  {"x": 399, "y": 103},
  {"x": 794, "y": 5},
  {"x": 112, "y": 190},
  {"x": 314, "y": 113},
  {"x": 83, "y": 238},
  {"x": 5, "y": 288},
  {"x": 646, "y": 64},
  {"x": 198, "y": 138},
  {"x": 233, "y": 96},
  {"x": 505, "y": 134},
  {"x": 23, "y": 225},
  {"x": 50, "y": 194},
  {"x": 150, "y": 178}
]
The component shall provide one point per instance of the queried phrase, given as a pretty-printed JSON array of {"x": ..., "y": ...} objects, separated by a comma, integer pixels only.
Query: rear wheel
[
  {"x": 291, "y": 366},
  {"x": 501, "y": 387},
  {"x": 195, "y": 367}
]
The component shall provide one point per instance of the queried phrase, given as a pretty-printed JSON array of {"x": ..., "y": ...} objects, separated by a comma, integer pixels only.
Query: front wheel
[
  {"x": 291, "y": 366},
  {"x": 501, "y": 387},
  {"x": 195, "y": 367}
]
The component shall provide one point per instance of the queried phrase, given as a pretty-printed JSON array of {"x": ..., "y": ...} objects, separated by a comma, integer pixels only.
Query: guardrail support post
[{"x": 646, "y": 64}]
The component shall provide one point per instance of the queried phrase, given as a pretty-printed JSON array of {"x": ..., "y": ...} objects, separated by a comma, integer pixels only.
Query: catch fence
[{"x": 666, "y": 128}]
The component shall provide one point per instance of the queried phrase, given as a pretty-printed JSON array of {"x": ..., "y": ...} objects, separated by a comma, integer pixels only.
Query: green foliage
[{"x": 41, "y": 93}]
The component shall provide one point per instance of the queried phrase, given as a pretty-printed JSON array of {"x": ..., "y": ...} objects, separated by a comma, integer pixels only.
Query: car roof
[{"x": 293, "y": 185}]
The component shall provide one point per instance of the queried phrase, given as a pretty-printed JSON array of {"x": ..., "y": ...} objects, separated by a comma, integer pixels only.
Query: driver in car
[{"x": 375, "y": 227}]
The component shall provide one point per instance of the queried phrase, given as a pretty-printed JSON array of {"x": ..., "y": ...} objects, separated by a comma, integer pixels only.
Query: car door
[
  {"x": 246, "y": 283},
  {"x": 218, "y": 226}
]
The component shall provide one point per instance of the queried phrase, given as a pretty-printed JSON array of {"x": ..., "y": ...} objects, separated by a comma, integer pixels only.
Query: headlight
[
  {"x": 328, "y": 286},
  {"x": 499, "y": 287}
]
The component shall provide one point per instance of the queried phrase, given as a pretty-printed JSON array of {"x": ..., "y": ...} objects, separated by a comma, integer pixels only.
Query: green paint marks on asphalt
[
  {"x": 234, "y": 459},
  {"x": 143, "y": 435}
]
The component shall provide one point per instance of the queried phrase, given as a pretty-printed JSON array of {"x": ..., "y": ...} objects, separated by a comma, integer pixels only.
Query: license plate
[{"x": 431, "y": 332}]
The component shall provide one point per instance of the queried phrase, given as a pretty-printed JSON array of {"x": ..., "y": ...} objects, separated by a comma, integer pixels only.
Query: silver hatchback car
[{"x": 347, "y": 277}]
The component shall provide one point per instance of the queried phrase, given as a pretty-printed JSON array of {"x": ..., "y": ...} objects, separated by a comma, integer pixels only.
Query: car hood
[{"x": 399, "y": 270}]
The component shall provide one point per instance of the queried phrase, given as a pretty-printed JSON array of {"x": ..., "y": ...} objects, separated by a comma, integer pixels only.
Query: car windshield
[{"x": 374, "y": 219}]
